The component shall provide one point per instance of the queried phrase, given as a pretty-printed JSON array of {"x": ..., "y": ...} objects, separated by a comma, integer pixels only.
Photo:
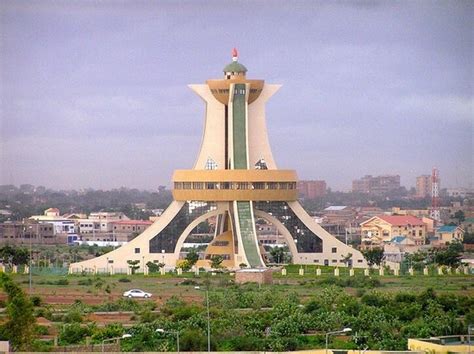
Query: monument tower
[{"x": 234, "y": 181}]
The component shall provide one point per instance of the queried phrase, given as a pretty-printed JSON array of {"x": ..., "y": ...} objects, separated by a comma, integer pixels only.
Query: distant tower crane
[{"x": 434, "y": 212}]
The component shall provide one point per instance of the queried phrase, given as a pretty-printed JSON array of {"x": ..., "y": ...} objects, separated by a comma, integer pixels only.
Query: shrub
[
  {"x": 74, "y": 315},
  {"x": 188, "y": 282},
  {"x": 36, "y": 301},
  {"x": 154, "y": 267},
  {"x": 86, "y": 282},
  {"x": 124, "y": 280},
  {"x": 41, "y": 330},
  {"x": 61, "y": 282},
  {"x": 73, "y": 333}
]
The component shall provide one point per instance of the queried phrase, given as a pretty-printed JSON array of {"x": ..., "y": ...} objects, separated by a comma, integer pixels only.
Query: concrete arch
[
  {"x": 329, "y": 241},
  {"x": 127, "y": 251},
  {"x": 282, "y": 229},
  {"x": 191, "y": 226}
]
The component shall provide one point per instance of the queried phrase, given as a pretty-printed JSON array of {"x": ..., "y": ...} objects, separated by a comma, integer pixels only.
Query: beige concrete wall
[
  {"x": 259, "y": 146},
  {"x": 213, "y": 138},
  {"x": 423, "y": 346}
]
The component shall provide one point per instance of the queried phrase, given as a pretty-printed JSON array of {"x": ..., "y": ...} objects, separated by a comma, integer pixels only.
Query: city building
[
  {"x": 106, "y": 219},
  {"x": 338, "y": 214},
  {"x": 441, "y": 345},
  {"x": 447, "y": 234},
  {"x": 235, "y": 180},
  {"x": 423, "y": 186},
  {"x": 386, "y": 228},
  {"x": 459, "y": 192},
  {"x": 378, "y": 185},
  {"x": 468, "y": 225},
  {"x": 30, "y": 232},
  {"x": 126, "y": 230},
  {"x": 61, "y": 225},
  {"x": 312, "y": 189}
]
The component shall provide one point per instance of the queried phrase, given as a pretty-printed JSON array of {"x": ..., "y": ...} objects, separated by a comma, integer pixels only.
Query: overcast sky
[{"x": 94, "y": 93}]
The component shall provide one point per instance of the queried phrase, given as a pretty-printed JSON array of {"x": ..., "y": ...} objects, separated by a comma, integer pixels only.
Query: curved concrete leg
[{"x": 118, "y": 257}]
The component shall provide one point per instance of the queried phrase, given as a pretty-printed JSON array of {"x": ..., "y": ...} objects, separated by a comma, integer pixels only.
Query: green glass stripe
[
  {"x": 246, "y": 224},
  {"x": 239, "y": 127}
]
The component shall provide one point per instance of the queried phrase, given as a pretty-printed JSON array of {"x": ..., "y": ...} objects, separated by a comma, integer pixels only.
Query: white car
[{"x": 136, "y": 293}]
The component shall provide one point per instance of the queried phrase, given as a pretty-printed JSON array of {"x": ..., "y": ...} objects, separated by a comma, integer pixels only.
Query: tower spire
[{"x": 235, "y": 54}]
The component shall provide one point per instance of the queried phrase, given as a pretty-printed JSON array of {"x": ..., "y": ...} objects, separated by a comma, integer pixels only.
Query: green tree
[
  {"x": 468, "y": 238},
  {"x": 278, "y": 255},
  {"x": 346, "y": 259},
  {"x": 451, "y": 256},
  {"x": 459, "y": 215},
  {"x": 74, "y": 333},
  {"x": 14, "y": 256},
  {"x": 373, "y": 256},
  {"x": 20, "y": 325},
  {"x": 133, "y": 265},
  {"x": 192, "y": 257},
  {"x": 216, "y": 261},
  {"x": 154, "y": 267}
]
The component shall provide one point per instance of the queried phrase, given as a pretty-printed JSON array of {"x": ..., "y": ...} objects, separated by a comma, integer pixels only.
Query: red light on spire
[{"x": 235, "y": 54}]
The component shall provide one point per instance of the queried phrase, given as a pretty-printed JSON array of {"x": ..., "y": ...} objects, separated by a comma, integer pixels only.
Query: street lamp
[
  {"x": 469, "y": 330},
  {"x": 345, "y": 330},
  {"x": 30, "y": 261},
  {"x": 208, "y": 323},
  {"x": 161, "y": 330},
  {"x": 208, "y": 320}
]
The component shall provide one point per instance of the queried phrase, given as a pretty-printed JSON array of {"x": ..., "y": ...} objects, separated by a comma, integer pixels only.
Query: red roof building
[{"x": 385, "y": 228}]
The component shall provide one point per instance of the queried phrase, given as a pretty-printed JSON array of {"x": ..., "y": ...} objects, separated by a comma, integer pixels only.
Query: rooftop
[
  {"x": 447, "y": 228},
  {"x": 398, "y": 239},
  {"x": 235, "y": 67},
  {"x": 133, "y": 222},
  {"x": 401, "y": 220},
  {"x": 336, "y": 207}
]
